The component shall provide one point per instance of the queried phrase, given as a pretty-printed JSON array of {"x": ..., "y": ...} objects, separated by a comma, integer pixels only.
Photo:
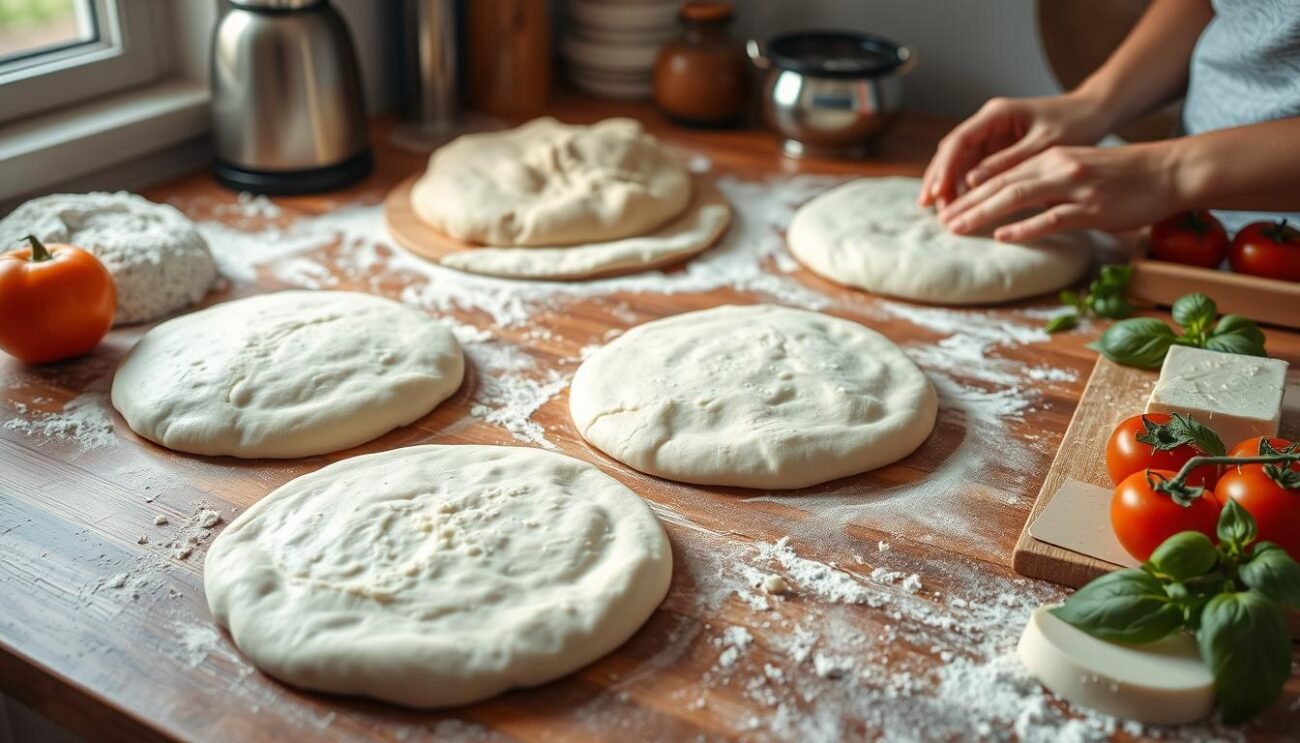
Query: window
[
  {"x": 31, "y": 28},
  {"x": 57, "y": 52}
]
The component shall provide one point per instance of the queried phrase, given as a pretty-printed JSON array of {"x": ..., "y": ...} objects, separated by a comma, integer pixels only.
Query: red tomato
[
  {"x": 1195, "y": 238},
  {"x": 1276, "y": 509},
  {"x": 1251, "y": 448},
  {"x": 1126, "y": 455},
  {"x": 1270, "y": 249},
  {"x": 1144, "y": 518}
]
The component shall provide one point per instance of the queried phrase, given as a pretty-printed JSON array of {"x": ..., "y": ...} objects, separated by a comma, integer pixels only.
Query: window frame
[{"x": 130, "y": 51}]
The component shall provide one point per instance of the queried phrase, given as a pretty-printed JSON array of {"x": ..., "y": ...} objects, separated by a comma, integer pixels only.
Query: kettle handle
[{"x": 754, "y": 49}]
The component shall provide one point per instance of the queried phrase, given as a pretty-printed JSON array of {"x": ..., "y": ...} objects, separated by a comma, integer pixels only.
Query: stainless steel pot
[{"x": 830, "y": 94}]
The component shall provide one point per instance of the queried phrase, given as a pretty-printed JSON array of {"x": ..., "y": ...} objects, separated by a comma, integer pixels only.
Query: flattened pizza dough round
[
  {"x": 291, "y": 374},
  {"x": 757, "y": 396},
  {"x": 691, "y": 232},
  {"x": 157, "y": 258},
  {"x": 871, "y": 234},
  {"x": 550, "y": 184},
  {"x": 438, "y": 575}
]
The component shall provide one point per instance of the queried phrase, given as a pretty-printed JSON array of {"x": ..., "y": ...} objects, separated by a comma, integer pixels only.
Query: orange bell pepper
[{"x": 56, "y": 302}]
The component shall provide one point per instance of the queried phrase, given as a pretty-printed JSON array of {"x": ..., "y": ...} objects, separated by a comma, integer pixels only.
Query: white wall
[{"x": 970, "y": 50}]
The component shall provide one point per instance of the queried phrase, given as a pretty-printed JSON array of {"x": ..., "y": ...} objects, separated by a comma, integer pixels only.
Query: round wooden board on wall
[
  {"x": 417, "y": 236},
  {"x": 1078, "y": 36}
]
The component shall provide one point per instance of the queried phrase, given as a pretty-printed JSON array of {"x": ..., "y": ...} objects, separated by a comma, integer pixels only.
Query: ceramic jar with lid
[{"x": 702, "y": 77}]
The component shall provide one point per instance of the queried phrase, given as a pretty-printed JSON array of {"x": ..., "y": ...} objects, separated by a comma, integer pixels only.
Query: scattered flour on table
[
  {"x": 85, "y": 421},
  {"x": 917, "y": 666},
  {"x": 510, "y": 388},
  {"x": 359, "y": 242}
]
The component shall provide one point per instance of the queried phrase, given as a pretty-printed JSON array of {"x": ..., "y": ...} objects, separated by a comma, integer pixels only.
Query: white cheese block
[
  {"x": 1238, "y": 396},
  {"x": 1163, "y": 683}
]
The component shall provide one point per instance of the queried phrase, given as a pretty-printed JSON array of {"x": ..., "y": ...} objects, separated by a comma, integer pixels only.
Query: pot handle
[
  {"x": 754, "y": 49},
  {"x": 909, "y": 59}
]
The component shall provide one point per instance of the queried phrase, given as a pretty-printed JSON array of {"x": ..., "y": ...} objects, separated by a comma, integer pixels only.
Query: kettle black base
[{"x": 292, "y": 182}]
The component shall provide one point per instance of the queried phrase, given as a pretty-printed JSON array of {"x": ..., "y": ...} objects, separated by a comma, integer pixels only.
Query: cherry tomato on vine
[
  {"x": 1252, "y": 448},
  {"x": 1126, "y": 455},
  {"x": 1143, "y": 518},
  {"x": 1195, "y": 238},
  {"x": 1269, "y": 249},
  {"x": 1275, "y": 506}
]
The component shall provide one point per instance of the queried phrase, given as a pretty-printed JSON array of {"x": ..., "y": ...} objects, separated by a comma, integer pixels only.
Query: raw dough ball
[
  {"x": 291, "y": 374},
  {"x": 547, "y": 183},
  {"x": 158, "y": 260},
  {"x": 692, "y": 232},
  {"x": 438, "y": 575},
  {"x": 758, "y": 397},
  {"x": 870, "y": 234}
]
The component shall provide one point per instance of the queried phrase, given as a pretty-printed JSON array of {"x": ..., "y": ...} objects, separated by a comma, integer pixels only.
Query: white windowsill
[{"x": 45, "y": 150}]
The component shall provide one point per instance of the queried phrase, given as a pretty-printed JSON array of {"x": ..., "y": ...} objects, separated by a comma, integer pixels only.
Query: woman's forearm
[
  {"x": 1150, "y": 67},
  {"x": 1252, "y": 168}
]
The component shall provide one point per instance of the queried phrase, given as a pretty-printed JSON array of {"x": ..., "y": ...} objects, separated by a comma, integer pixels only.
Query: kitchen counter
[{"x": 901, "y": 609}]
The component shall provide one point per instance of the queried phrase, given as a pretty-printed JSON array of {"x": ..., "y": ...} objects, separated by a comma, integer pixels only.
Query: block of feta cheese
[
  {"x": 1163, "y": 683},
  {"x": 1237, "y": 396}
]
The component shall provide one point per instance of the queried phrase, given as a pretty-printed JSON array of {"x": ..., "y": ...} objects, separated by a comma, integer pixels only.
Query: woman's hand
[
  {"x": 1005, "y": 132},
  {"x": 1107, "y": 188}
]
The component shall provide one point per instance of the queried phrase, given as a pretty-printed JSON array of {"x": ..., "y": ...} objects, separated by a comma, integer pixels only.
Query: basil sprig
[
  {"x": 1231, "y": 596},
  {"x": 1144, "y": 341},
  {"x": 1104, "y": 298}
]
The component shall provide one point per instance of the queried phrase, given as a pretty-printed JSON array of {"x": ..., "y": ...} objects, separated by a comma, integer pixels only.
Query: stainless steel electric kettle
[{"x": 287, "y": 109}]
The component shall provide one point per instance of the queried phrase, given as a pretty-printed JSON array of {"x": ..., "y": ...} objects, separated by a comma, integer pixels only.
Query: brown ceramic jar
[{"x": 701, "y": 78}]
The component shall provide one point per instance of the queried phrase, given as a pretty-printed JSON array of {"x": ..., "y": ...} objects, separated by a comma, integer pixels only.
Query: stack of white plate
[{"x": 610, "y": 46}]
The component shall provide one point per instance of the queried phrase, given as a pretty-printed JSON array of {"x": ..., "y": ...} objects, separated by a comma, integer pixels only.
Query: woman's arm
[
  {"x": 1149, "y": 68},
  {"x": 1255, "y": 167},
  {"x": 1251, "y": 168}
]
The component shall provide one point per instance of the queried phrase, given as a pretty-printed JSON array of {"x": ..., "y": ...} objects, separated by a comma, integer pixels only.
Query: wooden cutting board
[
  {"x": 417, "y": 236},
  {"x": 1113, "y": 393}
]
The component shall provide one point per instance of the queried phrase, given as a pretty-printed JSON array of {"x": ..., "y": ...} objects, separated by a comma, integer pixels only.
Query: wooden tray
[
  {"x": 1114, "y": 392},
  {"x": 1265, "y": 300},
  {"x": 417, "y": 236}
]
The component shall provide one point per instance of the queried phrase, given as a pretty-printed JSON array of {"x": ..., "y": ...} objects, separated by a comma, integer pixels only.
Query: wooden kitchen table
[{"x": 901, "y": 606}]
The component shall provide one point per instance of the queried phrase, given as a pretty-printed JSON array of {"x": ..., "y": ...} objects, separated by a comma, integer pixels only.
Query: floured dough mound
[
  {"x": 551, "y": 184},
  {"x": 692, "y": 231},
  {"x": 158, "y": 260},
  {"x": 434, "y": 576},
  {"x": 758, "y": 397},
  {"x": 871, "y": 234},
  {"x": 291, "y": 374}
]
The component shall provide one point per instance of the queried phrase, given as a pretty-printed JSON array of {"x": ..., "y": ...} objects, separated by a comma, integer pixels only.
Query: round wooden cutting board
[{"x": 418, "y": 237}]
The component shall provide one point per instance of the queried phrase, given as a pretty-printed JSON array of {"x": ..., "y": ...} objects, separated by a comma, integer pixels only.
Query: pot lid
[{"x": 836, "y": 54}]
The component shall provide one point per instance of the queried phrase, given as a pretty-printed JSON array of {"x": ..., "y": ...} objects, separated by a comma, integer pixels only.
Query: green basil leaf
[
  {"x": 1245, "y": 642},
  {"x": 1139, "y": 341},
  {"x": 1236, "y": 527},
  {"x": 1237, "y": 325},
  {"x": 1113, "y": 307},
  {"x": 1123, "y": 606},
  {"x": 1116, "y": 275},
  {"x": 1198, "y": 434},
  {"x": 1232, "y": 343},
  {"x": 1061, "y": 323},
  {"x": 1069, "y": 298},
  {"x": 1188, "y": 554},
  {"x": 1272, "y": 572},
  {"x": 1194, "y": 312}
]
